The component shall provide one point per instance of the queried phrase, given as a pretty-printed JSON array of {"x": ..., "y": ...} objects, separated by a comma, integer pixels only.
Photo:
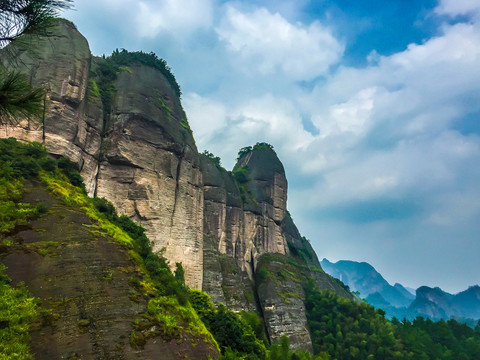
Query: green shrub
[
  {"x": 202, "y": 304},
  {"x": 262, "y": 146},
  {"x": 106, "y": 208},
  {"x": 26, "y": 168},
  {"x": 243, "y": 151},
  {"x": 214, "y": 159},
  {"x": 48, "y": 164},
  {"x": 261, "y": 274},
  {"x": 230, "y": 331}
]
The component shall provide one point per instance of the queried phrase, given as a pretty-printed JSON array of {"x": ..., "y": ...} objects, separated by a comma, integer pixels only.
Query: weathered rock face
[
  {"x": 143, "y": 159},
  {"x": 225, "y": 277},
  {"x": 254, "y": 255},
  {"x": 222, "y": 226},
  {"x": 150, "y": 167},
  {"x": 61, "y": 64},
  {"x": 241, "y": 223}
]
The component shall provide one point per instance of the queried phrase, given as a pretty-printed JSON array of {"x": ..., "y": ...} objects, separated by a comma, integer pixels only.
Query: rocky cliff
[
  {"x": 123, "y": 124},
  {"x": 254, "y": 256},
  {"x": 138, "y": 152}
]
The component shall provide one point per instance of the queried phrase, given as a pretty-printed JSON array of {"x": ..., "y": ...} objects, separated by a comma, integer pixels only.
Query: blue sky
[{"x": 372, "y": 106}]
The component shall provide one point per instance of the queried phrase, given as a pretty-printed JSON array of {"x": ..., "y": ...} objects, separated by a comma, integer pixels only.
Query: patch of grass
[
  {"x": 43, "y": 248},
  {"x": 93, "y": 90},
  {"x": 184, "y": 124},
  {"x": 214, "y": 159},
  {"x": 289, "y": 295},
  {"x": 13, "y": 213},
  {"x": 241, "y": 178},
  {"x": 18, "y": 310},
  {"x": 165, "y": 108}
]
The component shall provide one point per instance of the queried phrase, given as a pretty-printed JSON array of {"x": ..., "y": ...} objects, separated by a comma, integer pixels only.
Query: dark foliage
[
  {"x": 26, "y": 160},
  {"x": 258, "y": 146},
  {"x": 243, "y": 151},
  {"x": 19, "y": 17},
  {"x": 347, "y": 330},
  {"x": 17, "y": 97},
  {"x": 214, "y": 159},
  {"x": 262, "y": 146},
  {"x": 71, "y": 171},
  {"x": 234, "y": 335}
]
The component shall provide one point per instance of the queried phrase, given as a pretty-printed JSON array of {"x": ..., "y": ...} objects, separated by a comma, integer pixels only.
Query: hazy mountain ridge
[
  {"x": 438, "y": 304},
  {"x": 397, "y": 301},
  {"x": 363, "y": 277}
]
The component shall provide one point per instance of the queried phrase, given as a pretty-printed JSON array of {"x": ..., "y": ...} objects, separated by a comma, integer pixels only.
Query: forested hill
[{"x": 396, "y": 301}]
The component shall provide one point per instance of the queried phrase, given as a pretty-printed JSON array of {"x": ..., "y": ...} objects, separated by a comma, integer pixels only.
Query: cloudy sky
[{"x": 373, "y": 107}]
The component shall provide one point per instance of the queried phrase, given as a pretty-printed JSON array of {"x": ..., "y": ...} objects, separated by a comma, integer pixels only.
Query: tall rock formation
[
  {"x": 123, "y": 124},
  {"x": 254, "y": 256},
  {"x": 140, "y": 155}
]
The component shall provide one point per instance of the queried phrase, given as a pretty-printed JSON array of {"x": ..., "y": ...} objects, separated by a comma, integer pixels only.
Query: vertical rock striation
[{"x": 150, "y": 170}]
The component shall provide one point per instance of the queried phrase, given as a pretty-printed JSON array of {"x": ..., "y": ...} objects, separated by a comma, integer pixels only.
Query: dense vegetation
[
  {"x": 18, "y": 308},
  {"x": 233, "y": 334},
  {"x": 24, "y": 161},
  {"x": 258, "y": 146},
  {"x": 242, "y": 335},
  {"x": 345, "y": 330}
]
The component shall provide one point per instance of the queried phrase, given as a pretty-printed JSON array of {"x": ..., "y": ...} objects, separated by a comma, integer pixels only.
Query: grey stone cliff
[{"x": 224, "y": 227}]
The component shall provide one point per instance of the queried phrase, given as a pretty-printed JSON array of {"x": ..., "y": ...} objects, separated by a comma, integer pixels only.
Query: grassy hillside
[{"x": 78, "y": 278}]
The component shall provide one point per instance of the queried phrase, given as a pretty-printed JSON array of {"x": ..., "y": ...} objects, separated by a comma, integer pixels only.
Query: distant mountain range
[{"x": 398, "y": 301}]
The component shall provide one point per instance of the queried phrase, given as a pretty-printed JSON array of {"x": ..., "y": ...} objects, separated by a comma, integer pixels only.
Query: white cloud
[
  {"x": 175, "y": 16},
  {"x": 458, "y": 7},
  {"x": 351, "y": 116},
  {"x": 268, "y": 43},
  {"x": 206, "y": 116}
]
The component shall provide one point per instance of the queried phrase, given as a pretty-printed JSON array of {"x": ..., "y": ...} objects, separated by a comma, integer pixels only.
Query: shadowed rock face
[
  {"x": 241, "y": 225},
  {"x": 246, "y": 227}
]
